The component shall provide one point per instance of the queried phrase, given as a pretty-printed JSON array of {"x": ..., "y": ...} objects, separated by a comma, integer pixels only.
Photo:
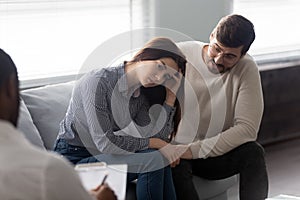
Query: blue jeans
[{"x": 154, "y": 180}]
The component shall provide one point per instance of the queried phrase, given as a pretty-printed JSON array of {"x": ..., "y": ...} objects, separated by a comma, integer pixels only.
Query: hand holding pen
[
  {"x": 103, "y": 191},
  {"x": 104, "y": 179}
]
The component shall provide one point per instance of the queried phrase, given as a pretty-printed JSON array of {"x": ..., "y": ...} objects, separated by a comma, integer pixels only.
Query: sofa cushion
[
  {"x": 47, "y": 106},
  {"x": 26, "y": 126},
  {"x": 213, "y": 188}
]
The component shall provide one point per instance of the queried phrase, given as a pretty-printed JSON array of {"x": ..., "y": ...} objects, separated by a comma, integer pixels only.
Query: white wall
[{"x": 195, "y": 18}]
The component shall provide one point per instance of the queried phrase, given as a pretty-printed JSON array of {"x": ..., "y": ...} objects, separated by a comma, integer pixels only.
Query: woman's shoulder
[
  {"x": 103, "y": 74},
  {"x": 109, "y": 72}
]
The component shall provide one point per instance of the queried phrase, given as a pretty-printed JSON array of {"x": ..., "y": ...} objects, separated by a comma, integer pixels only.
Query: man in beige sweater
[{"x": 222, "y": 111}]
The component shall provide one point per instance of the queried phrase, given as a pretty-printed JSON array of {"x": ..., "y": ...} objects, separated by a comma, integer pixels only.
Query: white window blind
[
  {"x": 49, "y": 38},
  {"x": 276, "y": 25}
]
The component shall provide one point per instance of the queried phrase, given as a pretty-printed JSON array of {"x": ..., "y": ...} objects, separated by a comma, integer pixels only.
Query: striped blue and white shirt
[{"x": 106, "y": 115}]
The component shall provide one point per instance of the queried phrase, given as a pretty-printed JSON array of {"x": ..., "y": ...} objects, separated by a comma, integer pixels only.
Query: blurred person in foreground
[{"x": 27, "y": 172}]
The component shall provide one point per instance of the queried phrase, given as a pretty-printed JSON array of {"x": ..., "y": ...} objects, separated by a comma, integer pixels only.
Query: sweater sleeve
[
  {"x": 62, "y": 182},
  {"x": 247, "y": 115}
]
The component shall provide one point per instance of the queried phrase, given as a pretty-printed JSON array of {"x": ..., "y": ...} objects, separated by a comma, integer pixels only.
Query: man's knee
[
  {"x": 253, "y": 149},
  {"x": 252, "y": 152}
]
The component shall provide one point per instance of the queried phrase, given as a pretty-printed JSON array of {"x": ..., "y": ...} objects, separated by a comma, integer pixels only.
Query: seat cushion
[
  {"x": 47, "y": 106},
  {"x": 208, "y": 189}
]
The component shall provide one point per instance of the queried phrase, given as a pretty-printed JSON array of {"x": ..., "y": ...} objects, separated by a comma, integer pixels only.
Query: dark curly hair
[{"x": 235, "y": 31}]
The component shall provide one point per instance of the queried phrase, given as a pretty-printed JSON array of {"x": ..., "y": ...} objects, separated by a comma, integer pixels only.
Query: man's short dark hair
[{"x": 235, "y": 31}]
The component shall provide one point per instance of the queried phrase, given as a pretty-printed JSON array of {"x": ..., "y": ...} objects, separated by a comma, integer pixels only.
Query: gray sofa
[{"x": 43, "y": 108}]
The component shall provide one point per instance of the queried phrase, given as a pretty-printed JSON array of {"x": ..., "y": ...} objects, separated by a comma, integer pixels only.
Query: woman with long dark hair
[{"x": 118, "y": 114}]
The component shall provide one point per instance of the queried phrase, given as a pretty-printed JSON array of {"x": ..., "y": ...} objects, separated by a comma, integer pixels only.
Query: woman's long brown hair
[{"x": 155, "y": 49}]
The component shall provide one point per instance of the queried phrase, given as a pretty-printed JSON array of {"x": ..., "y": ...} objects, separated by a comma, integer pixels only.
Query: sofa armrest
[{"x": 26, "y": 126}]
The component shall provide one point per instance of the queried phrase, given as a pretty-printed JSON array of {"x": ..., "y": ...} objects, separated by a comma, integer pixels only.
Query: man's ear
[
  {"x": 9, "y": 100},
  {"x": 11, "y": 87},
  {"x": 212, "y": 35}
]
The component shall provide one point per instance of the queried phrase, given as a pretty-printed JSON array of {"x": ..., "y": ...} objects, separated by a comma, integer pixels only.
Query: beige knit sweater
[{"x": 221, "y": 111}]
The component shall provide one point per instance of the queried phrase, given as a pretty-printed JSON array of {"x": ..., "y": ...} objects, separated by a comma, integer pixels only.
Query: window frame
[{"x": 280, "y": 56}]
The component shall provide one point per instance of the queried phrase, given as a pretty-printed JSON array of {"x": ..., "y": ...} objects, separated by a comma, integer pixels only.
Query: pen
[{"x": 104, "y": 179}]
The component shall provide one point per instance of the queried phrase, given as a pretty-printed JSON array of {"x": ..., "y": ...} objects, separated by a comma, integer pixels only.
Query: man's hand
[
  {"x": 171, "y": 152},
  {"x": 187, "y": 154},
  {"x": 176, "y": 162},
  {"x": 103, "y": 192},
  {"x": 174, "y": 152}
]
